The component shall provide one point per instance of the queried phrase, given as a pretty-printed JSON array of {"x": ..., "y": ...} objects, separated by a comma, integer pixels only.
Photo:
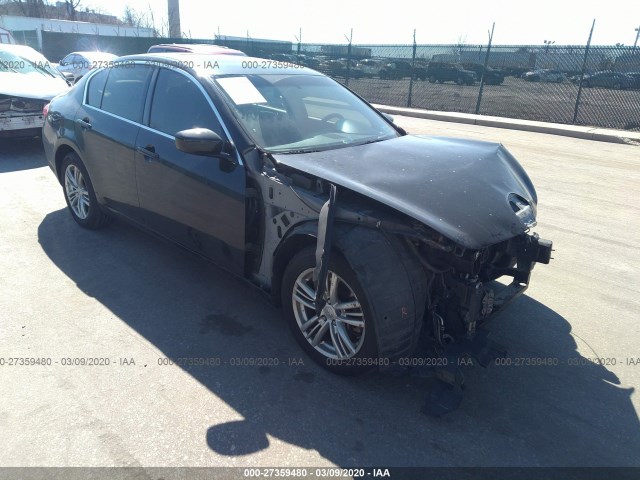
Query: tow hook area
[{"x": 445, "y": 393}]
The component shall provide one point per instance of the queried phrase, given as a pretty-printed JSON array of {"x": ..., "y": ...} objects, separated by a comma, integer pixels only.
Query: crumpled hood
[
  {"x": 459, "y": 188},
  {"x": 32, "y": 85}
]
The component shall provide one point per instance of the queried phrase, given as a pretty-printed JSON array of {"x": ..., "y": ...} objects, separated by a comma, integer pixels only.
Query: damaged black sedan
[{"x": 374, "y": 242}]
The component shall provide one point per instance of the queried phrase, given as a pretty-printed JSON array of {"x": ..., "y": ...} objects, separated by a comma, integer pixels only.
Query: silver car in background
[
  {"x": 545, "y": 75},
  {"x": 77, "y": 64}
]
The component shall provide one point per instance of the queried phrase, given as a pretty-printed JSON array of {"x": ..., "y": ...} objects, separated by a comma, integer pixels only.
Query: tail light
[{"x": 45, "y": 110}]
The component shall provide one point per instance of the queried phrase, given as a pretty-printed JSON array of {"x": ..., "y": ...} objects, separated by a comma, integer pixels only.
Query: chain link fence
[{"x": 595, "y": 86}]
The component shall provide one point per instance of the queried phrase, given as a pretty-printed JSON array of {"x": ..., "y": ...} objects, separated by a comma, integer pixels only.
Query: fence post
[
  {"x": 484, "y": 69},
  {"x": 584, "y": 66},
  {"x": 346, "y": 79},
  {"x": 413, "y": 66}
]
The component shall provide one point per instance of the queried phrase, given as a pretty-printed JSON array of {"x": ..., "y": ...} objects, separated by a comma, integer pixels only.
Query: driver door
[{"x": 197, "y": 201}]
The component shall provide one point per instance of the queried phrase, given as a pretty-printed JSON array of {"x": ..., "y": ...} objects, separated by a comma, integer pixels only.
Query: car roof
[
  {"x": 24, "y": 51},
  {"x": 217, "y": 65},
  {"x": 17, "y": 48},
  {"x": 94, "y": 54},
  {"x": 207, "y": 48}
]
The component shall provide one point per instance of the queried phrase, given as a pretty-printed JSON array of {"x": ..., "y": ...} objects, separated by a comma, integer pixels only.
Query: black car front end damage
[
  {"x": 463, "y": 293},
  {"x": 445, "y": 287},
  {"x": 459, "y": 290}
]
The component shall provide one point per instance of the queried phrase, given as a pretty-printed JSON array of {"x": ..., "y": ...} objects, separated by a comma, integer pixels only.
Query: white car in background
[
  {"x": 545, "y": 75},
  {"x": 27, "y": 83},
  {"x": 371, "y": 67},
  {"x": 78, "y": 64}
]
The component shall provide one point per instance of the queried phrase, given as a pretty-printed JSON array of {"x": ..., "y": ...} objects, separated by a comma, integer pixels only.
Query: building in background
[
  {"x": 28, "y": 30},
  {"x": 5, "y": 36}
]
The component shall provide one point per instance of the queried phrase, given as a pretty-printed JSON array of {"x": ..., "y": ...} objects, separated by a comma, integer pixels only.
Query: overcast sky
[{"x": 393, "y": 21}]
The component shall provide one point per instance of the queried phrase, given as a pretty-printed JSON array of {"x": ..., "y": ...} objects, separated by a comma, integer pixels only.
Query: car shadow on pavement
[
  {"x": 563, "y": 415},
  {"x": 21, "y": 154}
]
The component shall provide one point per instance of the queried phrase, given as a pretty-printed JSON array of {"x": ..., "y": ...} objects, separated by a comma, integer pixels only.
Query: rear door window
[
  {"x": 95, "y": 88},
  {"x": 125, "y": 91}
]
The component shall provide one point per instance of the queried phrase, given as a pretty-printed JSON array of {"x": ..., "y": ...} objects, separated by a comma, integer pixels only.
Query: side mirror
[{"x": 199, "y": 141}]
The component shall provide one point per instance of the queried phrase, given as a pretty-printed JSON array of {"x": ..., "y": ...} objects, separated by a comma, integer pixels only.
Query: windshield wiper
[
  {"x": 8, "y": 68},
  {"x": 373, "y": 140},
  {"x": 301, "y": 150}
]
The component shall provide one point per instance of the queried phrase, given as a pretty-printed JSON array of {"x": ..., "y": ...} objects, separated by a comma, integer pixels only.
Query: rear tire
[{"x": 80, "y": 195}]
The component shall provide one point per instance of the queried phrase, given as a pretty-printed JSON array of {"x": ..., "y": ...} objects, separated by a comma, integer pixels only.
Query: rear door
[
  {"x": 197, "y": 201},
  {"x": 107, "y": 126}
]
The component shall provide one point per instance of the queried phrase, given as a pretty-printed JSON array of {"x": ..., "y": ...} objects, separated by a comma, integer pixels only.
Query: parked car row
[
  {"x": 604, "y": 79},
  {"x": 615, "y": 80}
]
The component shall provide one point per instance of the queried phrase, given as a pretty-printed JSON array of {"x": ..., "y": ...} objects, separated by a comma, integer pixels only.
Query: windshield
[
  {"x": 301, "y": 113},
  {"x": 25, "y": 64}
]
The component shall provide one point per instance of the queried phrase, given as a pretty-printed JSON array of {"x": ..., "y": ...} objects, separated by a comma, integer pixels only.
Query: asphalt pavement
[{"x": 104, "y": 311}]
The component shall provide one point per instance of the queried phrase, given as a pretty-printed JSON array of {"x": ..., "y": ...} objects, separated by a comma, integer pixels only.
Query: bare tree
[
  {"x": 146, "y": 19},
  {"x": 31, "y": 8},
  {"x": 72, "y": 7},
  {"x": 131, "y": 17}
]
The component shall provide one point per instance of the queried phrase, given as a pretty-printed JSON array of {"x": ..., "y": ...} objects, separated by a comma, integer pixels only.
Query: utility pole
[
  {"x": 174, "y": 18},
  {"x": 636, "y": 42}
]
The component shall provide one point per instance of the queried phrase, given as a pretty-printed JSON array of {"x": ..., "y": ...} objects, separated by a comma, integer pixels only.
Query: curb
[{"x": 586, "y": 133}]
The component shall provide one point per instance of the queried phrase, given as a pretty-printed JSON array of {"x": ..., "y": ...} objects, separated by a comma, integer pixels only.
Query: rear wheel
[
  {"x": 342, "y": 338},
  {"x": 79, "y": 194},
  {"x": 432, "y": 79}
]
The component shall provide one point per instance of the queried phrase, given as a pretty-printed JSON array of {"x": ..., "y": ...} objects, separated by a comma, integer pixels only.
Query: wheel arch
[
  {"x": 297, "y": 239},
  {"x": 61, "y": 152}
]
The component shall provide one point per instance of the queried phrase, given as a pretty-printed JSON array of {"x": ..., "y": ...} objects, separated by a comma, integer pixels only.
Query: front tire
[
  {"x": 80, "y": 195},
  {"x": 342, "y": 338}
]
